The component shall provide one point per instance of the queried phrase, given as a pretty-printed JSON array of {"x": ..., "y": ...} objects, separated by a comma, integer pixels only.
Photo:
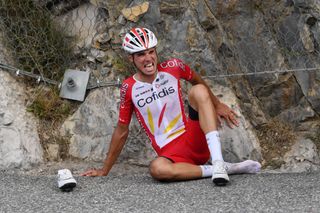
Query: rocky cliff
[{"x": 260, "y": 57}]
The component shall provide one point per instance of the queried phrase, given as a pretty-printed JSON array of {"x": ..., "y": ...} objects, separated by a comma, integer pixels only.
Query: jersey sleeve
[
  {"x": 177, "y": 68},
  {"x": 185, "y": 71},
  {"x": 126, "y": 105}
]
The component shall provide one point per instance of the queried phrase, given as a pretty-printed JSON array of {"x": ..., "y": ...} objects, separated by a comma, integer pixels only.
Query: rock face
[
  {"x": 215, "y": 38},
  {"x": 90, "y": 130},
  {"x": 239, "y": 143},
  {"x": 133, "y": 13},
  {"x": 19, "y": 141},
  {"x": 302, "y": 157}
]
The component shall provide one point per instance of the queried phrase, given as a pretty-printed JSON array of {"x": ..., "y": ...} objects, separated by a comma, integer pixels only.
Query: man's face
[{"x": 146, "y": 62}]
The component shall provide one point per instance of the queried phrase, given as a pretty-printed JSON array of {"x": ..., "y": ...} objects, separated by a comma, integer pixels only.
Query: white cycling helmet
[{"x": 139, "y": 39}]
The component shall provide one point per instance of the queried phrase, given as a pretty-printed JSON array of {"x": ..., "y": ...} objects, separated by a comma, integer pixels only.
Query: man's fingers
[
  {"x": 84, "y": 174},
  {"x": 234, "y": 121},
  {"x": 230, "y": 123},
  {"x": 231, "y": 120},
  {"x": 235, "y": 114},
  {"x": 233, "y": 117},
  {"x": 88, "y": 173},
  {"x": 229, "y": 115}
]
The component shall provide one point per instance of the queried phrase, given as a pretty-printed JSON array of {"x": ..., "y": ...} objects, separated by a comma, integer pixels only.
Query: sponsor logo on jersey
[
  {"x": 146, "y": 91},
  {"x": 154, "y": 96},
  {"x": 161, "y": 84},
  {"x": 140, "y": 87},
  {"x": 123, "y": 92},
  {"x": 172, "y": 63}
]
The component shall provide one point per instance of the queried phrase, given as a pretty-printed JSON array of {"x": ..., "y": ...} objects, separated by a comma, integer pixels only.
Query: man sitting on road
[{"x": 183, "y": 144}]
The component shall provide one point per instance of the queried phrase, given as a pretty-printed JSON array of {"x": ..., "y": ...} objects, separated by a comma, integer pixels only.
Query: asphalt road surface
[{"x": 138, "y": 192}]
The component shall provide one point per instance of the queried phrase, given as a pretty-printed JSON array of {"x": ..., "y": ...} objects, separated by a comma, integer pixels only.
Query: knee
[
  {"x": 161, "y": 170},
  {"x": 199, "y": 92}
]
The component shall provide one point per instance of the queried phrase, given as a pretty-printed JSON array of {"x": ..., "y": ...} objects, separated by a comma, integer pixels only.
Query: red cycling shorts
[{"x": 190, "y": 147}]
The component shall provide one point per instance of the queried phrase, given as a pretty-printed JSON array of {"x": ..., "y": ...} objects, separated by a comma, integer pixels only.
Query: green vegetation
[
  {"x": 47, "y": 105},
  {"x": 291, "y": 53},
  {"x": 123, "y": 66},
  {"x": 35, "y": 42},
  {"x": 52, "y": 111},
  {"x": 39, "y": 46}
]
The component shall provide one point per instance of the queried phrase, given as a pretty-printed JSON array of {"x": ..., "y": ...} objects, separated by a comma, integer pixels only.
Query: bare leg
[
  {"x": 200, "y": 100},
  {"x": 165, "y": 170}
]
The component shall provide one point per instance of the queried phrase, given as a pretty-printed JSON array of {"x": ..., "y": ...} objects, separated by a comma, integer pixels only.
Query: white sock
[
  {"x": 245, "y": 167},
  {"x": 214, "y": 145},
  {"x": 206, "y": 170}
]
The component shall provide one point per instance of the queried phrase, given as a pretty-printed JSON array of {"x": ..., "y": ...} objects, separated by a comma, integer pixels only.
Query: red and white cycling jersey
[{"x": 158, "y": 106}]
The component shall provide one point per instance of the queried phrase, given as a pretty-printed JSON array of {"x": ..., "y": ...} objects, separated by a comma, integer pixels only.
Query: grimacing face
[{"x": 146, "y": 63}]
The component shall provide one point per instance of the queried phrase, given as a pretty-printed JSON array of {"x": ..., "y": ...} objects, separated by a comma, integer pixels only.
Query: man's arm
[
  {"x": 119, "y": 137},
  {"x": 222, "y": 109}
]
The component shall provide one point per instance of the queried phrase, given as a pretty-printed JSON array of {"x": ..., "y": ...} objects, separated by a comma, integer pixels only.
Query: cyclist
[{"x": 183, "y": 143}]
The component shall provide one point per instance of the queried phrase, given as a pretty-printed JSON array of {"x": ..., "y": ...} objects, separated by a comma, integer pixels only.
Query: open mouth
[{"x": 148, "y": 65}]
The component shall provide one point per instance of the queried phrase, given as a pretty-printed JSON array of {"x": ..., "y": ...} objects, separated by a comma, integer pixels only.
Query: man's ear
[{"x": 130, "y": 57}]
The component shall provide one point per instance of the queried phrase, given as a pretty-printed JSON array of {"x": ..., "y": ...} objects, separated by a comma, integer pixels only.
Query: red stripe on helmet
[
  {"x": 145, "y": 37},
  {"x": 134, "y": 31}
]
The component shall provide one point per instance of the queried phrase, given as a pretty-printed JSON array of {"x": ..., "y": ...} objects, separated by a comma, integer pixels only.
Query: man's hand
[
  {"x": 118, "y": 140},
  {"x": 94, "y": 173},
  {"x": 223, "y": 111}
]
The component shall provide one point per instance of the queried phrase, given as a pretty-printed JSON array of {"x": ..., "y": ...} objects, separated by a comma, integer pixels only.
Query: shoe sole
[
  {"x": 220, "y": 181},
  {"x": 68, "y": 187}
]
